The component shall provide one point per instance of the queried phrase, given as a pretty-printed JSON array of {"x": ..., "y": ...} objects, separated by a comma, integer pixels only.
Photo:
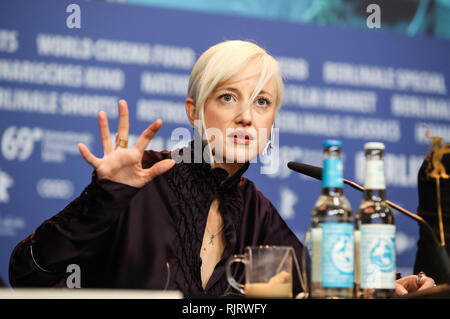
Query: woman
[
  {"x": 146, "y": 222},
  {"x": 136, "y": 223}
]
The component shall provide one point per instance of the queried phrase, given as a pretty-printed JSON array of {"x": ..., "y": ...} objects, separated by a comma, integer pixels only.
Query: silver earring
[
  {"x": 270, "y": 143},
  {"x": 272, "y": 137}
]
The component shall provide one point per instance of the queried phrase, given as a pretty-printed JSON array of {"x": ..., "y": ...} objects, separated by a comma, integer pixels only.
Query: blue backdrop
[{"x": 354, "y": 85}]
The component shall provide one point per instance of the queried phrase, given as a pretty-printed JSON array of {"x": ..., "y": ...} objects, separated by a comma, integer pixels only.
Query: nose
[{"x": 245, "y": 115}]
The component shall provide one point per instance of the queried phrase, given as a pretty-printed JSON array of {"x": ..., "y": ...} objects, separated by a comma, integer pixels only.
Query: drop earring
[{"x": 270, "y": 143}]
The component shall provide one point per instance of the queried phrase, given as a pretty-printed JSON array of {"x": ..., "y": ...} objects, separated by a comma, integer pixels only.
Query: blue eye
[
  {"x": 262, "y": 102},
  {"x": 226, "y": 97}
]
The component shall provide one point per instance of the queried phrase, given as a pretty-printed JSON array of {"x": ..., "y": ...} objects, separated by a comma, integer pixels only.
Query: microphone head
[{"x": 305, "y": 169}]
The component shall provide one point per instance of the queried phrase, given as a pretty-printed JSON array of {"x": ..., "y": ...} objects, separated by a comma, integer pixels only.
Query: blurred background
[
  {"x": 353, "y": 71},
  {"x": 410, "y": 17}
]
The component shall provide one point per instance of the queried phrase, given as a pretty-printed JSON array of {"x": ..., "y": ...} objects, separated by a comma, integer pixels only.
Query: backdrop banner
[{"x": 61, "y": 62}]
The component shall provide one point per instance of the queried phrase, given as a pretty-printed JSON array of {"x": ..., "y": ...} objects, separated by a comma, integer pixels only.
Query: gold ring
[{"x": 121, "y": 143}]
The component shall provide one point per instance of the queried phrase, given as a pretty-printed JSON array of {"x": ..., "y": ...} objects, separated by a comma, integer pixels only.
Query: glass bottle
[
  {"x": 375, "y": 230},
  {"x": 332, "y": 231}
]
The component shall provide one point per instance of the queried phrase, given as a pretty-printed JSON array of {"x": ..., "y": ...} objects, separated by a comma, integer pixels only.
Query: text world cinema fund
[{"x": 230, "y": 308}]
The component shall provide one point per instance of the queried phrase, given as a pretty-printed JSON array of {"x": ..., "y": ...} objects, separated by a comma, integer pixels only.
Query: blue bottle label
[
  {"x": 337, "y": 255},
  {"x": 332, "y": 173},
  {"x": 377, "y": 256}
]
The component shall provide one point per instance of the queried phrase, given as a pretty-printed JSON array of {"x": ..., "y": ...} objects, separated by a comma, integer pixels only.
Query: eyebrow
[{"x": 237, "y": 91}]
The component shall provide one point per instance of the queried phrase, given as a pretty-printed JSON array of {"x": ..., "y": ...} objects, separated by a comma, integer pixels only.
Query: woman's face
[{"x": 240, "y": 132}]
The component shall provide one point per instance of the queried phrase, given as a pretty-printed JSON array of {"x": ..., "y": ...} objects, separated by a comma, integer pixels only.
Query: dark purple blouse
[{"x": 150, "y": 238}]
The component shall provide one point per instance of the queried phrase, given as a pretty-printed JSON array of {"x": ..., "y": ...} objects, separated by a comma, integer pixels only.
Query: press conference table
[
  {"x": 438, "y": 292},
  {"x": 59, "y": 293}
]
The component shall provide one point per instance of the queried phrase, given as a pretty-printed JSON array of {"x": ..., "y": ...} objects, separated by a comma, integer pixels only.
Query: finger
[
  {"x": 88, "y": 156},
  {"x": 426, "y": 283},
  {"x": 124, "y": 124},
  {"x": 104, "y": 132},
  {"x": 400, "y": 290},
  {"x": 160, "y": 168},
  {"x": 409, "y": 283},
  {"x": 147, "y": 135}
]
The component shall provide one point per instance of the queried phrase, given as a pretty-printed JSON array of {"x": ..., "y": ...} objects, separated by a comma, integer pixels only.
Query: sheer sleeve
[{"x": 79, "y": 234}]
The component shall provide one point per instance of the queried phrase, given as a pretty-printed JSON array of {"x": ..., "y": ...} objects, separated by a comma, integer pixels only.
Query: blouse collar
[{"x": 217, "y": 175}]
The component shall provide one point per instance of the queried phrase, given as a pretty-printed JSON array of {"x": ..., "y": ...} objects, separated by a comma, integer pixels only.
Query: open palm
[{"x": 121, "y": 164}]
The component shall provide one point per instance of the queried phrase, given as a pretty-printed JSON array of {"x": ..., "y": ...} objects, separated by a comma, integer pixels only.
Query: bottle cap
[
  {"x": 374, "y": 146},
  {"x": 328, "y": 143}
]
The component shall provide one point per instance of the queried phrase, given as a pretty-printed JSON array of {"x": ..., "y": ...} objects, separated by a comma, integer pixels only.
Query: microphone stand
[
  {"x": 316, "y": 172},
  {"x": 400, "y": 209}
]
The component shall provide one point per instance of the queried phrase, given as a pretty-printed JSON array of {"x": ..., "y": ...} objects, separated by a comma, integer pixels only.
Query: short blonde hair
[{"x": 224, "y": 60}]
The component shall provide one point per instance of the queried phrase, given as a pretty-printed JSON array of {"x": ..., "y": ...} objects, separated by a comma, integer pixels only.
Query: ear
[{"x": 191, "y": 110}]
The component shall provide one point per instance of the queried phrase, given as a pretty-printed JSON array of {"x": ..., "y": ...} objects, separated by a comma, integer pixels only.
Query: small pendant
[{"x": 211, "y": 240}]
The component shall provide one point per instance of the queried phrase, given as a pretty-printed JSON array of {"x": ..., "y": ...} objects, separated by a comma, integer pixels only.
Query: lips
[{"x": 241, "y": 137}]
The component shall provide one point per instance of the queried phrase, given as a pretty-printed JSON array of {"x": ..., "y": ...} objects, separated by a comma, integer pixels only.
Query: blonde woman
[
  {"x": 144, "y": 216},
  {"x": 160, "y": 220}
]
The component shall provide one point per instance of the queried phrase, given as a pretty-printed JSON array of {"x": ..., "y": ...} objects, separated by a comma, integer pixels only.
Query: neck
[{"x": 231, "y": 168}]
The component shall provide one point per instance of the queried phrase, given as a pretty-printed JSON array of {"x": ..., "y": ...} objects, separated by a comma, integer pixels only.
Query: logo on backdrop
[
  {"x": 9, "y": 225},
  {"x": 6, "y": 182},
  {"x": 288, "y": 200},
  {"x": 55, "y": 188},
  {"x": 9, "y": 42},
  {"x": 18, "y": 143}
]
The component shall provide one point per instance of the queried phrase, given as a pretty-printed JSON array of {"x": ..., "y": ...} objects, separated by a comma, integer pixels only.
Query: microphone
[{"x": 316, "y": 172}]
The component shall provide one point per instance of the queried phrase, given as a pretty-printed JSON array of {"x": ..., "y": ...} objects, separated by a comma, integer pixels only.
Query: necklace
[{"x": 212, "y": 236}]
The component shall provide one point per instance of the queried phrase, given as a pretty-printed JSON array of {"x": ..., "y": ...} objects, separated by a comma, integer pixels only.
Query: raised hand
[{"x": 121, "y": 164}]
